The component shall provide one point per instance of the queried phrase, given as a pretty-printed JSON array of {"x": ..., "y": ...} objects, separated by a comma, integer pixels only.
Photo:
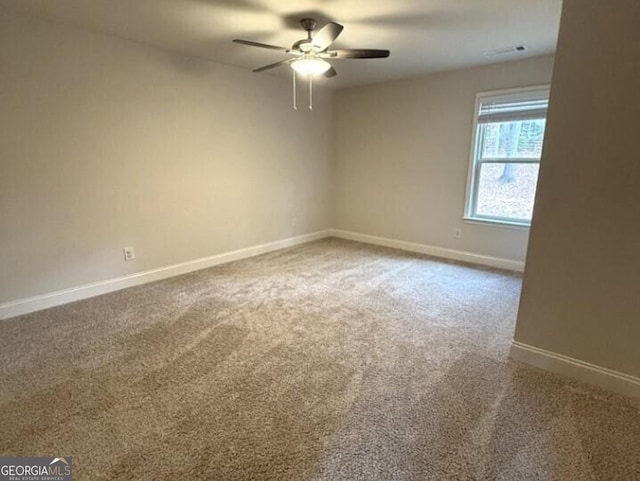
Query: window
[{"x": 507, "y": 143}]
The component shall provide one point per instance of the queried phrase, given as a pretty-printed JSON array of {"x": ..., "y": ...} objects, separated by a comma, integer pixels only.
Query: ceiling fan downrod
[{"x": 309, "y": 24}]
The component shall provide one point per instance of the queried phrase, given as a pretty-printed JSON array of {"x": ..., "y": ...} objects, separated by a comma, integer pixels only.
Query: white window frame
[{"x": 473, "y": 176}]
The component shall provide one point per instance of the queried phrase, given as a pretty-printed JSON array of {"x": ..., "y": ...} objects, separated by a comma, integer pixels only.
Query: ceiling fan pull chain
[
  {"x": 310, "y": 92},
  {"x": 295, "y": 94}
]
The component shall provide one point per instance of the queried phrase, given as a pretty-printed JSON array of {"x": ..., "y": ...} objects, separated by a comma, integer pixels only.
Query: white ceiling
[{"x": 423, "y": 35}]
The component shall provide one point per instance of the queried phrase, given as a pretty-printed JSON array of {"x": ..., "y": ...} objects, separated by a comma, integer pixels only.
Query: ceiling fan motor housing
[{"x": 304, "y": 46}]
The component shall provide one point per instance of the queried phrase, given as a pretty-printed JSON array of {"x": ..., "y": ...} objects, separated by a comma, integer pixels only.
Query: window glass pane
[
  {"x": 507, "y": 190},
  {"x": 508, "y": 140}
]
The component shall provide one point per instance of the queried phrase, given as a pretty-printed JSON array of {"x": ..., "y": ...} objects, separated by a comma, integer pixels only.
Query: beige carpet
[{"x": 330, "y": 361}]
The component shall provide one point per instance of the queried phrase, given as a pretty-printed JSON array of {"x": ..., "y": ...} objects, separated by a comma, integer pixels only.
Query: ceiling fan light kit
[
  {"x": 310, "y": 54},
  {"x": 310, "y": 66}
]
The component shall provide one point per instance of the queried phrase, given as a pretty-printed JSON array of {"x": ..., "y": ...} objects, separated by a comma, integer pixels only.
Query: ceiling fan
[{"x": 310, "y": 54}]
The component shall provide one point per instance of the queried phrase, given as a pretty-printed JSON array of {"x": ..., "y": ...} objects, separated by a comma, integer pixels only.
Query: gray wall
[
  {"x": 106, "y": 143},
  {"x": 402, "y": 156},
  {"x": 581, "y": 293}
]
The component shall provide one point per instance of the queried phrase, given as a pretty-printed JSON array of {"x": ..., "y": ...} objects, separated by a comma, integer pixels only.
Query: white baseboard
[
  {"x": 576, "y": 369},
  {"x": 51, "y": 299},
  {"x": 432, "y": 250},
  {"x": 56, "y": 298}
]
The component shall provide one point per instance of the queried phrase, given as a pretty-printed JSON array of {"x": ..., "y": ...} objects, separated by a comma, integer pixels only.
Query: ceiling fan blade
[
  {"x": 261, "y": 45},
  {"x": 359, "y": 53},
  {"x": 326, "y": 35},
  {"x": 330, "y": 73},
  {"x": 273, "y": 65}
]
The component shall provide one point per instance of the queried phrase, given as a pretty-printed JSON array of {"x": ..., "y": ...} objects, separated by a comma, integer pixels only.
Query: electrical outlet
[
  {"x": 129, "y": 253},
  {"x": 457, "y": 234}
]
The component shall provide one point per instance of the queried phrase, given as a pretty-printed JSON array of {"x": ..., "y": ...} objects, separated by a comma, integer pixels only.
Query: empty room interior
[{"x": 319, "y": 240}]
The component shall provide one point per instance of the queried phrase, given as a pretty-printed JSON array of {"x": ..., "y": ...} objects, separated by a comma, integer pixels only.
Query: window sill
[{"x": 496, "y": 223}]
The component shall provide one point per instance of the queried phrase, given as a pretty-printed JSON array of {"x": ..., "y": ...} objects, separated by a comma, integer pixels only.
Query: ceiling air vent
[{"x": 505, "y": 51}]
